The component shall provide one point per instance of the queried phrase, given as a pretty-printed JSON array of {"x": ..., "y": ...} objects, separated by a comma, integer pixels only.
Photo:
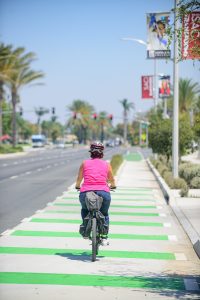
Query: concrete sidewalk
[
  {"x": 149, "y": 256},
  {"x": 186, "y": 209}
]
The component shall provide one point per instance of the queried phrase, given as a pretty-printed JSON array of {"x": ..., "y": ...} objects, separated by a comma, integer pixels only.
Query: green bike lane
[{"x": 148, "y": 249}]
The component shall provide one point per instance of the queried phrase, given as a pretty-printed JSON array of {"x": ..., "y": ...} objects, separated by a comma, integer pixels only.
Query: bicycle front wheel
[{"x": 94, "y": 238}]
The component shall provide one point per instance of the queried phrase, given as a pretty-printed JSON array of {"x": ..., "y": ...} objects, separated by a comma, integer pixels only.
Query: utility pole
[{"x": 175, "y": 133}]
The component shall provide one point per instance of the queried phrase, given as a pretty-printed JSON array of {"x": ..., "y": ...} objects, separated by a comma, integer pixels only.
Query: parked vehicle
[{"x": 38, "y": 140}]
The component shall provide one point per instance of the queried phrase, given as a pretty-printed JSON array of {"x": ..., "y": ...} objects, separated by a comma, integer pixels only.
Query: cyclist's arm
[
  {"x": 79, "y": 177},
  {"x": 111, "y": 178}
]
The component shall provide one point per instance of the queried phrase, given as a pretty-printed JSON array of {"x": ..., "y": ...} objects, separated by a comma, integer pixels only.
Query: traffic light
[
  {"x": 110, "y": 117},
  {"x": 94, "y": 116},
  {"x": 53, "y": 110},
  {"x": 74, "y": 115},
  {"x": 21, "y": 111}
]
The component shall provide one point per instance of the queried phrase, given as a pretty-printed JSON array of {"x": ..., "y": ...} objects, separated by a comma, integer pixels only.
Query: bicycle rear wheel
[{"x": 94, "y": 238}]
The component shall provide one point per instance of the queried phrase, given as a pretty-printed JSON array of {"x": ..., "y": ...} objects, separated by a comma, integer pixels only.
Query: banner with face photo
[
  {"x": 157, "y": 38},
  {"x": 164, "y": 86}
]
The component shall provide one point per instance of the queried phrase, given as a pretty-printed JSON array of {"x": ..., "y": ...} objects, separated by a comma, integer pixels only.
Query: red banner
[
  {"x": 147, "y": 87},
  {"x": 191, "y": 36}
]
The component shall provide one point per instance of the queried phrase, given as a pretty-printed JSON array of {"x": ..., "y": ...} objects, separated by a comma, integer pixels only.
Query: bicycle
[{"x": 94, "y": 226}]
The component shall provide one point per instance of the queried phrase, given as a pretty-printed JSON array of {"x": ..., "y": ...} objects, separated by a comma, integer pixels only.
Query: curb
[{"x": 170, "y": 199}]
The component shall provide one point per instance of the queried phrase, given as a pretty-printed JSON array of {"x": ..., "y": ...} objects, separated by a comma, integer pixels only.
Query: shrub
[
  {"x": 162, "y": 169},
  {"x": 184, "y": 192},
  {"x": 190, "y": 172},
  {"x": 182, "y": 168},
  {"x": 9, "y": 149},
  {"x": 116, "y": 161},
  {"x": 168, "y": 177},
  {"x": 195, "y": 183},
  {"x": 180, "y": 183}
]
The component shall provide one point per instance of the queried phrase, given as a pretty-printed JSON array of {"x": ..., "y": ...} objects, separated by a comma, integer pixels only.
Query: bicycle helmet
[{"x": 96, "y": 147}]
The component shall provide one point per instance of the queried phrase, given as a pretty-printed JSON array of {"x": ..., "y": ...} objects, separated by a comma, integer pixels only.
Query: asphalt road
[{"x": 28, "y": 183}]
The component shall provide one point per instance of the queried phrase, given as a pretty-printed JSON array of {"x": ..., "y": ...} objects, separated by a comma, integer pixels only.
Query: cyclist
[{"x": 96, "y": 173}]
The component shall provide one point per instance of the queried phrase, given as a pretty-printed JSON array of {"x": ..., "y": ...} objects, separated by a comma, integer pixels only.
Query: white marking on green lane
[
  {"x": 180, "y": 256},
  {"x": 172, "y": 237}
]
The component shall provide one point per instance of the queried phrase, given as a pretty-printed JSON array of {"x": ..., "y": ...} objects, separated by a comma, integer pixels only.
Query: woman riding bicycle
[{"x": 96, "y": 173}]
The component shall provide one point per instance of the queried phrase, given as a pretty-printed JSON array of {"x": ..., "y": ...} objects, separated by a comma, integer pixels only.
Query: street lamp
[{"x": 155, "y": 67}]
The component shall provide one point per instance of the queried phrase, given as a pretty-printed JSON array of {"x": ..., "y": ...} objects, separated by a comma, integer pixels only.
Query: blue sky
[{"x": 78, "y": 46}]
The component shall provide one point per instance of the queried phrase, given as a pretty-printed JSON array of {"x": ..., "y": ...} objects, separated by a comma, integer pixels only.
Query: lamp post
[
  {"x": 155, "y": 68},
  {"x": 175, "y": 133}
]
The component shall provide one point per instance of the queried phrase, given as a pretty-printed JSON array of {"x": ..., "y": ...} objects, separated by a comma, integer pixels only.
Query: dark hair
[{"x": 96, "y": 154}]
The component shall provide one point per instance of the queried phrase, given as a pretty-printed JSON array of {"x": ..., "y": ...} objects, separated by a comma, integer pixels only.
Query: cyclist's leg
[
  {"x": 105, "y": 205},
  {"x": 84, "y": 210}
]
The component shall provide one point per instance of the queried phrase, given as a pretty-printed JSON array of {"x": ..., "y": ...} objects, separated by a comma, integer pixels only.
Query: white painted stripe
[
  {"x": 39, "y": 170},
  {"x": 15, "y": 163},
  {"x": 180, "y": 256},
  {"x": 162, "y": 215},
  {"x": 167, "y": 224},
  {"x": 48, "y": 167},
  {"x": 26, "y": 220},
  {"x": 40, "y": 211},
  {"x": 5, "y": 165},
  {"x": 27, "y": 173},
  {"x": 191, "y": 284},
  {"x": 13, "y": 177},
  {"x": 172, "y": 237},
  {"x": 7, "y": 232}
]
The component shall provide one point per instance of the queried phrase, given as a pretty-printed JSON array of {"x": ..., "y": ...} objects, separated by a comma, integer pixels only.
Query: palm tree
[
  {"x": 82, "y": 118},
  {"x": 40, "y": 112},
  {"x": 187, "y": 94},
  {"x": 6, "y": 69},
  {"x": 126, "y": 108},
  {"x": 20, "y": 77}
]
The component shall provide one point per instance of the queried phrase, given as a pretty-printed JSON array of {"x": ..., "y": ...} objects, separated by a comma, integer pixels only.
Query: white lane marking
[
  {"x": 180, "y": 256},
  {"x": 5, "y": 165},
  {"x": 48, "y": 167},
  {"x": 162, "y": 215},
  {"x": 39, "y": 211},
  {"x": 167, "y": 225},
  {"x": 159, "y": 207},
  {"x": 15, "y": 163},
  {"x": 7, "y": 232},
  {"x": 39, "y": 169},
  {"x": 172, "y": 238},
  {"x": 28, "y": 172},
  {"x": 13, "y": 177},
  {"x": 55, "y": 165},
  {"x": 24, "y": 161},
  {"x": 26, "y": 220},
  {"x": 191, "y": 285}
]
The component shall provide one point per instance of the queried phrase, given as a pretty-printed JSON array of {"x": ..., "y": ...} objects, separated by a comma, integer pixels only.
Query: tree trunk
[
  {"x": 1, "y": 102},
  {"x": 14, "y": 121},
  {"x": 125, "y": 127}
]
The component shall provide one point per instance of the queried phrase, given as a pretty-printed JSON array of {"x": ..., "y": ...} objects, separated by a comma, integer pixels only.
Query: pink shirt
[{"x": 95, "y": 174}]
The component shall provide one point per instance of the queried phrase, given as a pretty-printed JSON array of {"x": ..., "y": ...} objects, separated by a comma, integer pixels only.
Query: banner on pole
[
  {"x": 157, "y": 38},
  {"x": 147, "y": 87},
  {"x": 164, "y": 86},
  {"x": 191, "y": 36}
]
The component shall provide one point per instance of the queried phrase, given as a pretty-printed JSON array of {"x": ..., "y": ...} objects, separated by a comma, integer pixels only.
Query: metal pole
[
  {"x": 147, "y": 135},
  {"x": 140, "y": 133},
  {"x": 175, "y": 133},
  {"x": 155, "y": 85}
]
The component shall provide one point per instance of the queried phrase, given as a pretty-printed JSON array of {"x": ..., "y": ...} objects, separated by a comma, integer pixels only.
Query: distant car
[
  {"x": 60, "y": 145},
  {"x": 110, "y": 143}
]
